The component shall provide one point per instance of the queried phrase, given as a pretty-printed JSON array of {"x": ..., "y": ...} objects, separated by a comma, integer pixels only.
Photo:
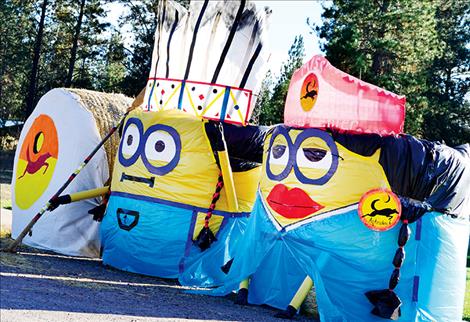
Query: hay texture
[
  {"x": 107, "y": 110},
  {"x": 65, "y": 126}
]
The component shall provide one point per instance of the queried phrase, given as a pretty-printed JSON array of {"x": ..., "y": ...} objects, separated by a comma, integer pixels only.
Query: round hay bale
[
  {"x": 309, "y": 306},
  {"x": 107, "y": 110},
  {"x": 65, "y": 126}
]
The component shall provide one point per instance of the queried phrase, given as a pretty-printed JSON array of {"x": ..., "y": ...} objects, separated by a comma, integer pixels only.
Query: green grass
[
  {"x": 466, "y": 307},
  {"x": 6, "y": 203}
]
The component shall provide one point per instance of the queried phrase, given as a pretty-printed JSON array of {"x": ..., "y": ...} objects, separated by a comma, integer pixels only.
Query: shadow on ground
[{"x": 43, "y": 281}]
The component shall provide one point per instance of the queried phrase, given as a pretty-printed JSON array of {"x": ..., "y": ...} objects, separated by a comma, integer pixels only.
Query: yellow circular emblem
[
  {"x": 379, "y": 209},
  {"x": 309, "y": 92}
]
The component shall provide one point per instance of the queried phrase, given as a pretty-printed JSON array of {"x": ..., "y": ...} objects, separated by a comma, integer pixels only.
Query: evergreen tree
[
  {"x": 448, "y": 118},
  {"x": 272, "y": 110},
  {"x": 388, "y": 43},
  {"x": 114, "y": 65},
  {"x": 264, "y": 97},
  {"x": 16, "y": 39}
]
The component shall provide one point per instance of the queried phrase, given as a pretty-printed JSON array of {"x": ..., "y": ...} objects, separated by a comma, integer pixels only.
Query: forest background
[{"x": 420, "y": 49}]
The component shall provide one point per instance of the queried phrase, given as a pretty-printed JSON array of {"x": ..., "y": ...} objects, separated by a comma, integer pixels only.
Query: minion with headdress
[
  {"x": 187, "y": 167},
  {"x": 342, "y": 197}
]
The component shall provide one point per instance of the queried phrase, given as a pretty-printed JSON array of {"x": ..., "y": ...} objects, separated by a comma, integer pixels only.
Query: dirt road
[{"x": 40, "y": 286}]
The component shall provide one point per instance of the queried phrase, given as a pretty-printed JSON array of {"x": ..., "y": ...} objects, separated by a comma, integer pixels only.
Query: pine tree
[
  {"x": 272, "y": 111},
  {"x": 16, "y": 38},
  {"x": 448, "y": 119},
  {"x": 391, "y": 44}
]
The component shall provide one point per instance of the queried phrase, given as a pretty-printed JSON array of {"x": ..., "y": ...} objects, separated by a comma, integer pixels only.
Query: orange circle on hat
[
  {"x": 309, "y": 92},
  {"x": 36, "y": 162}
]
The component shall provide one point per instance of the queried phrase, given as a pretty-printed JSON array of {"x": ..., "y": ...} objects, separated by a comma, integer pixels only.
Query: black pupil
[
  {"x": 159, "y": 146},
  {"x": 130, "y": 138},
  {"x": 313, "y": 154},
  {"x": 278, "y": 151},
  {"x": 36, "y": 142}
]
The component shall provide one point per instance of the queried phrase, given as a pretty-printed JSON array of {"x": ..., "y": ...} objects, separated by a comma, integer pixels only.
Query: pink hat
[{"x": 322, "y": 96}]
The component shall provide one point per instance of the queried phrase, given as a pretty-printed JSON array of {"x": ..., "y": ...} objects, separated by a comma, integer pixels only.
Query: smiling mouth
[
  {"x": 292, "y": 204},
  {"x": 150, "y": 181}
]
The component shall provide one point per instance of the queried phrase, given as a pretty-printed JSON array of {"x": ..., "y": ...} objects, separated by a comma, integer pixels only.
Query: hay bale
[
  {"x": 107, "y": 110},
  {"x": 309, "y": 306},
  {"x": 65, "y": 126}
]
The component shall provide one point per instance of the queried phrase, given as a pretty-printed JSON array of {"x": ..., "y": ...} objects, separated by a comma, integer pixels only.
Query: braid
[{"x": 215, "y": 198}]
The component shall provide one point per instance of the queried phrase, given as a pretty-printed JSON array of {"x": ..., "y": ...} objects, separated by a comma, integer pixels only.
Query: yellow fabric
[
  {"x": 193, "y": 180},
  {"x": 244, "y": 284},
  {"x": 87, "y": 194},
  {"x": 214, "y": 223},
  {"x": 355, "y": 176},
  {"x": 229, "y": 184},
  {"x": 301, "y": 293}
]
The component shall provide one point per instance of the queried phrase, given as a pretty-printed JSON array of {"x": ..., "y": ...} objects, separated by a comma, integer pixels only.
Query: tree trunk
[
  {"x": 36, "y": 56},
  {"x": 73, "y": 55}
]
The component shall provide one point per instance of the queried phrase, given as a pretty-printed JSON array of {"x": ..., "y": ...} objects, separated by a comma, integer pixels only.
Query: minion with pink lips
[{"x": 329, "y": 204}]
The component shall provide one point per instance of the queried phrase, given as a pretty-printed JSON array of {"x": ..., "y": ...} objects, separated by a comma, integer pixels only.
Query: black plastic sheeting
[
  {"x": 426, "y": 175},
  {"x": 244, "y": 143}
]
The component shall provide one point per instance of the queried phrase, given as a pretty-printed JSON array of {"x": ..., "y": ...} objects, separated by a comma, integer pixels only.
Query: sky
[{"x": 288, "y": 19}]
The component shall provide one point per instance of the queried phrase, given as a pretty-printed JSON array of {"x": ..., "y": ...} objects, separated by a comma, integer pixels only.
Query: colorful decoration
[
  {"x": 163, "y": 184},
  {"x": 37, "y": 160},
  {"x": 379, "y": 209},
  {"x": 328, "y": 206},
  {"x": 209, "y": 63},
  {"x": 63, "y": 129},
  {"x": 321, "y": 96}
]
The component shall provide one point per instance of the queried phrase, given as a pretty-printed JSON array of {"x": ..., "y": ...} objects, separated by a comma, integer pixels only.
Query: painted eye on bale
[
  {"x": 160, "y": 146},
  {"x": 162, "y": 149},
  {"x": 38, "y": 142},
  {"x": 279, "y": 154},
  {"x": 130, "y": 142},
  {"x": 314, "y": 158},
  {"x": 279, "y": 163}
]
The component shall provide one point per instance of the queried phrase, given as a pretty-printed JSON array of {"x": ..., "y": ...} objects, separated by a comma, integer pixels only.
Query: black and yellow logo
[{"x": 379, "y": 209}]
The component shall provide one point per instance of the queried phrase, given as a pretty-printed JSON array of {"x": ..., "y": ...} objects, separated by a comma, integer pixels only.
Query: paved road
[{"x": 39, "y": 286}]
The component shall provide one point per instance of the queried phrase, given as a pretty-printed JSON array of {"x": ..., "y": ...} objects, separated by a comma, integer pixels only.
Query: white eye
[
  {"x": 130, "y": 140},
  {"x": 279, "y": 154},
  {"x": 314, "y": 158},
  {"x": 160, "y": 146}
]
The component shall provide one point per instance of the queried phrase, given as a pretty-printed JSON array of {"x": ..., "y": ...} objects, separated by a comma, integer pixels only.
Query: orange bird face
[{"x": 36, "y": 162}]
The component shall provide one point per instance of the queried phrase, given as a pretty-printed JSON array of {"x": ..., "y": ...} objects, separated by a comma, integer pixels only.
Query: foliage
[
  {"x": 15, "y": 41},
  {"x": 272, "y": 109},
  {"x": 405, "y": 46}
]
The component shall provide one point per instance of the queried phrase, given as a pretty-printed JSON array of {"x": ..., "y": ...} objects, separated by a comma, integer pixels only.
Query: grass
[
  {"x": 5, "y": 196},
  {"x": 466, "y": 307}
]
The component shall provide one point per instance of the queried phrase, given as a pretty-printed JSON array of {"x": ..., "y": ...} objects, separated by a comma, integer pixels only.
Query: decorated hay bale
[{"x": 64, "y": 128}]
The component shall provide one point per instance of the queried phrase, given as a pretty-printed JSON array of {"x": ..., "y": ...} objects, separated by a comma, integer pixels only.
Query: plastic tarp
[
  {"x": 48, "y": 152},
  {"x": 322, "y": 96},
  {"x": 163, "y": 181},
  {"x": 331, "y": 243}
]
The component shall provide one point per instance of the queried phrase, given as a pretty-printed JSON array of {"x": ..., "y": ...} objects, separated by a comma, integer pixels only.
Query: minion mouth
[
  {"x": 292, "y": 204},
  {"x": 127, "y": 219},
  {"x": 150, "y": 181}
]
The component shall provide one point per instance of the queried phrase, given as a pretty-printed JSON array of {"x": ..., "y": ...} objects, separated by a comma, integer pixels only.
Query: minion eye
[
  {"x": 314, "y": 158},
  {"x": 160, "y": 146},
  {"x": 162, "y": 149},
  {"x": 313, "y": 154},
  {"x": 278, "y": 151},
  {"x": 279, "y": 154},
  {"x": 131, "y": 140}
]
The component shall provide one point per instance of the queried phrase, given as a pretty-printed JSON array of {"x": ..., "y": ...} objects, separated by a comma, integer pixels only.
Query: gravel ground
[{"x": 42, "y": 286}]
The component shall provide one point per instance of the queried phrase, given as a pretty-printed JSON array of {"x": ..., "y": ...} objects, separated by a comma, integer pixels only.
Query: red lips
[{"x": 292, "y": 204}]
